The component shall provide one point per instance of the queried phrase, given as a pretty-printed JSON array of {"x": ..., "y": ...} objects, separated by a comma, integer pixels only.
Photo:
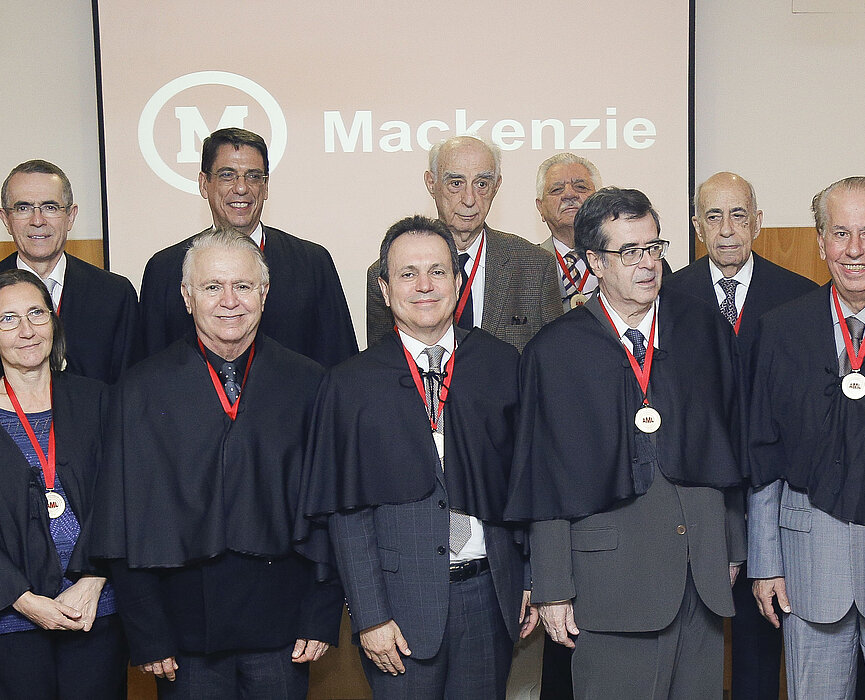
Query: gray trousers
[
  {"x": 821, "y": 657},
  {"x": 683, "y": 661}
]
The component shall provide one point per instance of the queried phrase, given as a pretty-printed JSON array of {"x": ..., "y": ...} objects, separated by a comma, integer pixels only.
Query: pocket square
[{"x": 519, "y": 321}]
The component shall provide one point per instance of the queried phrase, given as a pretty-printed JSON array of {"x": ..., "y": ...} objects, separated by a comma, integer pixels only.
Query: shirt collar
[
  {"x": 644, "y": 326},
  {"x": 416, "y": 347},
  {"x": 473, "y": 249},
  {"x": 58, "y": 274},
  {"x": 257, "y": 235},
  {"x": 562, "y": 248},
  {"x": 743, "y": 276}
]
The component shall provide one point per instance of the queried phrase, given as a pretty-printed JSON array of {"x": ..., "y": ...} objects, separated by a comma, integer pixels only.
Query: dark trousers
[
  {"x": 756, "y": 647},
  {"x": 56, "y": 665},
  {"x": 683, "y": 661},
  {"x": 262, "y": 675},
  {"x": 556, "y": 683},
  {"x": 473, "y": 661}
]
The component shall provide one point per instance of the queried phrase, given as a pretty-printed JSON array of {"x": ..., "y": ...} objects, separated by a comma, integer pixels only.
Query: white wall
[{"x": 48, "y": 103}]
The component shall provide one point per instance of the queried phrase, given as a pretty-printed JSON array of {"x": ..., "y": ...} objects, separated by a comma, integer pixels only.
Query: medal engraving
[
  {"x": 578, "y": 300},
  {"x": 56, "y": 504},
  {"x": 647, "y": 419},
  {"x": 853, "y": 386}
]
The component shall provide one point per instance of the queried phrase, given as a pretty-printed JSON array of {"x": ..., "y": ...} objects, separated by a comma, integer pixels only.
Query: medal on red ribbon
[
  {"x": 230, "y": 411},
  {"x": 577, "y": 299},
  {"x": 418, "y": 382},
  {"x": 852, "y": 384},
  {"x": 647, "y": 419},
  {"x": 56, "y": 504}
]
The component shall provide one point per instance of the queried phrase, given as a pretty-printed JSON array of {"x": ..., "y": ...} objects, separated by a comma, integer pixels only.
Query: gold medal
[
  {"x": 578, "y": 299},
  {"x": 647, "y": 419},
  {"x": 56, "y": 504}
]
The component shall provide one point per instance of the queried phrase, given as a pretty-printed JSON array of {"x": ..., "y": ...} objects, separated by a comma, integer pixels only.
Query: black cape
[
  {"x": 371, "y": 442},
  {"x": 803, "y": 428},
  {"x": 577, "y": 445},
  {"x": 305, "y": 311},
  {"x": 183, "y": 482},
  {"x": 28, "y": 557}
]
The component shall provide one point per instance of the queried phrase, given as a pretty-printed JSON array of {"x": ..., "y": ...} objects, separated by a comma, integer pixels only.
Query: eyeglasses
[
  {"x": 240, "y": 289},
  {"x": 37, "y": 317},
  {"x": 632, "y": 256},
  {"x": 49, "y": 210},
  {"x": 253, "y": 178}
]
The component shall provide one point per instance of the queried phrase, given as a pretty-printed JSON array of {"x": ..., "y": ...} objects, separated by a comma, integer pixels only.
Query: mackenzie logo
[{"x": 191, "y": 127}]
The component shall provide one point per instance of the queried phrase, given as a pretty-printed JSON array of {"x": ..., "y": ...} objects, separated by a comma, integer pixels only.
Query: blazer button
[
  {"x": 442, "y": 505},
  {"x": 681, "y": 529},
  {"x": 440, "y": 550}
]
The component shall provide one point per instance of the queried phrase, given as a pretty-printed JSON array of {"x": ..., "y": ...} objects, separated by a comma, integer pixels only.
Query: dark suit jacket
[
  {"x": 625, "y": 568},
  {"x": 771, "y": 285},
  {"x": 521, "y": 292},
  {"x": 305, "y": 309},
  {"x": 100, "y": 318}
]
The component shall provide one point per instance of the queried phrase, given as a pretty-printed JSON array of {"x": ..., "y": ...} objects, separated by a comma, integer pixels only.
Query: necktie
[
  {"x": 856, "y": 328},
  {"x": 460, "y": 527},
  {"x": 467, "y": 319},
  {"x": 638, "y": 341},
  {"x": 232, "y": 388},
  {"x": 571, "y": 264},
  {"x": 51, "y": 283},
  {"x": 728, "y": 306}
]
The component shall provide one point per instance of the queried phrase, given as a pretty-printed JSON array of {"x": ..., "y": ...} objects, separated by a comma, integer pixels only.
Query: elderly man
[
  {"x": 806, "y": 534},
  {"x": 633, "y": 547},
  {"x": 306, "y": 312},
  {"x": 413, "y": 490},
  {"x": 509, "y": 286},
  {"x": 195, "y": 515},
  {"x": 563, "y": 183},
  {"x": 743, "y": 286},
  {"x": 97, "y": 308}
]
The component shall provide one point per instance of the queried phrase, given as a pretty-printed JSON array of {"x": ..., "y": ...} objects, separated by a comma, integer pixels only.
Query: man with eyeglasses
[
  {"x": 742, "y": 286},
  {"x": 306, "y": 310},
  {"x": 98, "y": 308},
  {"x": 633, "y": 547}
]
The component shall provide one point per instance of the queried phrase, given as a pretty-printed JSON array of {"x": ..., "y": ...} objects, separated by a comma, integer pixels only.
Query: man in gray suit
[
  {"x": 633, "y": 546},
  {"x": 509, "y": 286},
  {"x": 806, "y": 539},
  {"x": 563, "y": 183},
  {"x": 412, "y": 444}
]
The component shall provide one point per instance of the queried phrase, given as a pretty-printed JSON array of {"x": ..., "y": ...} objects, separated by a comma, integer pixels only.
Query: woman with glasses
[{"x": 59, "y": 634}]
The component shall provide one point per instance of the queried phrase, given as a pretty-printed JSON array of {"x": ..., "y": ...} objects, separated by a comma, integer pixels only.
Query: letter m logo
[{"x": 193, "y": 129}]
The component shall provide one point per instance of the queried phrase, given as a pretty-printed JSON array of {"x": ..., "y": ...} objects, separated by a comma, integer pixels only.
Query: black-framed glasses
[
  {"x": 24, "y": 210},
  {"x": 252, "y": 178},
  {"x": 632, "y": 256},
  {"x": 37, "y": 317}
]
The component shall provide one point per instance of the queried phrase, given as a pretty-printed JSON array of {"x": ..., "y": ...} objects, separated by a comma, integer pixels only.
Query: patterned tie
[
  {"x": 728, "y": 306},
  {"x": 638, "y": 341},
  {"x": 856, "y": 328},
  {"x": 571, "y": 264},
  {"x": 467, "y": 318},
  {"x": 460, "y": 526},
  {"x": 232, "y": 388},
  {"x": 51, "y": 283}
]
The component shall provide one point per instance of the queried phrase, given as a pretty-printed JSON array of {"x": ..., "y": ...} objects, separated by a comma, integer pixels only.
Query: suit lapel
[{"x": 495, "y": 282}]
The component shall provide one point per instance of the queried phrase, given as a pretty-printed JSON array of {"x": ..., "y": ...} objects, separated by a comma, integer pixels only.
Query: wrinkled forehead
[{"x": 466, "y": 159}]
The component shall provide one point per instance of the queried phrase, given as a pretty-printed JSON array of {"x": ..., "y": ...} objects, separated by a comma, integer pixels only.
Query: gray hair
[
  {"x": 42, "y": 167},
  {"x": 544, "y": 168},
  {"x": 818, "y": 204},
  {"x": 228, "y": 238},
  {"x": 453, "y": 141},
  {"x": 699, "y": 190}
]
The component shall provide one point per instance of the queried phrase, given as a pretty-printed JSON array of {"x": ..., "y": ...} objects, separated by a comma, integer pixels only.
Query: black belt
[{"x": 468, "y": 569}]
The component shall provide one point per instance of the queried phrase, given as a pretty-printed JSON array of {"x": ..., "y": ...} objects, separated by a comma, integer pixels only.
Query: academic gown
[
  {"x": 305, "y": 311},
  {"x": 196, "y": 515},
  {"x": 558, "y": 478},
  {"x": 99, "y": 312},
  {"x": 28, "y": 557},
  {"x": 803, "y": 428}
]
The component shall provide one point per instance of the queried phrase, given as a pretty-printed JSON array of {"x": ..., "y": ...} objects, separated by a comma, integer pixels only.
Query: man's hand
[
  {"x": 47, "y": 613},
  {"x": 308, "y": 650},
  {"x": 382, "y": 645},
  {"x": 161, "y": 669},
  {"x": 558, "y": 619},
  {"x": 83, "y": 595},
  {"x": 764, "y": 590},
  {"x": 528, "y": 616},
  {"x": 734, "y": 573}
]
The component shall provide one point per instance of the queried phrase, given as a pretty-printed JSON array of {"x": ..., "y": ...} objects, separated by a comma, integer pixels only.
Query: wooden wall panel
[{"x": 86, "y": 249}]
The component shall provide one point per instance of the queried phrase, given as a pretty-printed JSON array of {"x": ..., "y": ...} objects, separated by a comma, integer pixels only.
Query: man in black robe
[
  {"x": 99, "y": 309},
  {"x": 306, "y": 310},
  {"x": 408, "y": 469},
  {"x": 633, "y": 548},
  {"x": 195, "y": 513}
]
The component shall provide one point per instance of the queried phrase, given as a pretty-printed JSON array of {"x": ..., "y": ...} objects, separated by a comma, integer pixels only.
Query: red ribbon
[
  {"x": 49, "y": 463},
  {"x": 418, "y": 382},
  {"x": 230, "y": 411},
  {"x": 567, "y": 272},
  {"x": 468, "y": 288},
  {"x": 855, "y": 360},
  {"x": 642, "y": 373}
]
